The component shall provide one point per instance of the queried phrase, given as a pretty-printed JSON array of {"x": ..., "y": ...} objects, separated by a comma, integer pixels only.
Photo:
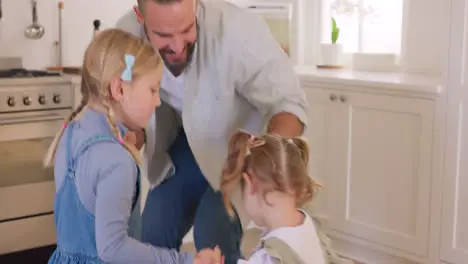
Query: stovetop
[
  {"x": 24, "y": 73},
  {"x": 36, "y": 94}
]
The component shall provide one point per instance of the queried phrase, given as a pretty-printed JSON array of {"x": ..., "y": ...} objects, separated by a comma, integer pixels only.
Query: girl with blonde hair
[
  {"x": 273, "y": 175},
  {"x": 96, "y": 168}
]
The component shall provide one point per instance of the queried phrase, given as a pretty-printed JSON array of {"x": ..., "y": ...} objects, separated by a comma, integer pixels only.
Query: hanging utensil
[
  {"x": 60, "y": 32},
  {"x": 59, "y": 48},
  {"x": 35, "y": 30},
  {"x": 1, "y": 12},
  {"x": 96, "y": 26}
]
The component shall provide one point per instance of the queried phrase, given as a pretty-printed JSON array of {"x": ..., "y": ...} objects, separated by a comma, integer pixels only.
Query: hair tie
[
  {"x": 64, "y": 126},
  {"x": 127, "y": 72},
  {"x": 254, "y": 142}
]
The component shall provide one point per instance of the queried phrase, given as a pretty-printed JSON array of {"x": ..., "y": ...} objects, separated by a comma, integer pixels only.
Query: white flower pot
[{"x": 331, "y": 55}]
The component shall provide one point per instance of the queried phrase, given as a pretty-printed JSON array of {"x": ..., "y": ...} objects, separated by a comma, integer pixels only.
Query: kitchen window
[{"x": 369, "y": 29}]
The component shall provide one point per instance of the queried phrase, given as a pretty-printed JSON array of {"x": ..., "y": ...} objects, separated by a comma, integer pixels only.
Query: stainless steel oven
[{"x": 32, "y": 109}]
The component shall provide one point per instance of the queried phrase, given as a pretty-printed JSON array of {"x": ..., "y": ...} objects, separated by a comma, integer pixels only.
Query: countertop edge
[
  {"x": 392, "y": 82},
  {"x": 310, "y": 76}
]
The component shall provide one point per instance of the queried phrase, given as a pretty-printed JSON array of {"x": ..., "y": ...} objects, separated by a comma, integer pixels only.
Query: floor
[{"x": 41, "y": 255}]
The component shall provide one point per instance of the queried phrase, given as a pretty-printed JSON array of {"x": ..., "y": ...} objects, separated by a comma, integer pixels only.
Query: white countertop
[
  {"x": 310, "y": 75},
  {"x": 395, "y": 81}
]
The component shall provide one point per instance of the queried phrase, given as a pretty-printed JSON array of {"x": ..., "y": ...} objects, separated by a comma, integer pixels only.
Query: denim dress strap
[
  {"x": 72, "y": 159},
  {"x": 68, "y": 140}
]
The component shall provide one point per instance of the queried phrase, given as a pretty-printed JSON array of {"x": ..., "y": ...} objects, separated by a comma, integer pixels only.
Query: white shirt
[
  {"x": 173, "y": 89},
  {"x": 303, "y": 239}
]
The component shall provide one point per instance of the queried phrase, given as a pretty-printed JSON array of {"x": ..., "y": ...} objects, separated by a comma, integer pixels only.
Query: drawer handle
[
  {"x": 332, "y": 97},
  {"x": 343, "y": 98}
]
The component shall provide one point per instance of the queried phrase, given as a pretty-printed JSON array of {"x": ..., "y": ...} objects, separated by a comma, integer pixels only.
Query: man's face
[{"x": 171, "y": 28}]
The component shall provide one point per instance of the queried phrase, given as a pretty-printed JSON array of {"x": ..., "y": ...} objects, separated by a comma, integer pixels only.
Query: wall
[
  {"x": 425, "y": 46},
  {"x": 427, "y": 38},
  {"x": 78, "y": 16}
]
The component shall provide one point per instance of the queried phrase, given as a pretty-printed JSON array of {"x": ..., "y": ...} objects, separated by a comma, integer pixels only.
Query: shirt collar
[{"x": 98, "y": 117}]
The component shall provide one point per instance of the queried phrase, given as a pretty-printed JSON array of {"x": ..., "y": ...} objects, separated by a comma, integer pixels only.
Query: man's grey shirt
[{"x": 239, "y": 78}]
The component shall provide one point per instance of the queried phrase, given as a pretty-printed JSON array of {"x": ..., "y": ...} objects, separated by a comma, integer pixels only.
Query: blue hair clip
[{"x": 127, "y": 72}]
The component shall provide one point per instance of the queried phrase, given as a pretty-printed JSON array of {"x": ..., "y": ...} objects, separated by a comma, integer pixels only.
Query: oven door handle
[{"x": 34, "y": 117}]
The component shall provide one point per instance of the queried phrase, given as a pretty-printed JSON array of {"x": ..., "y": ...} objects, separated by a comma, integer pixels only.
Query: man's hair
[{"x": 142, "y": 3}]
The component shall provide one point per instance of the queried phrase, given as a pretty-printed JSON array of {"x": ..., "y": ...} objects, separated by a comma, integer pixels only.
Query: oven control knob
[
  {"x": 42, "y": 100},
  {"x": 11, "y": 101},
  {"x": 27, "y": 100},
  {"x": 57, "y": 99}
]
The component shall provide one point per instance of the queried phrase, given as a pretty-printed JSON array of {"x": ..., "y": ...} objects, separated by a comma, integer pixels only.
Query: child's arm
[{"x": 114, "y": 195}]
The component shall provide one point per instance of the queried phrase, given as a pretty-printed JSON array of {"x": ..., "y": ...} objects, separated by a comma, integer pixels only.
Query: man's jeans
[{"x": 186, "y": 199}]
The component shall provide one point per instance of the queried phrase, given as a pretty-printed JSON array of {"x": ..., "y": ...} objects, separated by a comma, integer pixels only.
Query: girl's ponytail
[
  {"x": 310, "y": 186},
  {"x": 234, "y": 166},
  {"x": 303, "y": 147}
]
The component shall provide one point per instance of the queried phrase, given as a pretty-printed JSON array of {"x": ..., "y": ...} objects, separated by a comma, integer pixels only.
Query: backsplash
[
  {"x": 425, "y": 48},
  {"x": 77, "y": 25}
]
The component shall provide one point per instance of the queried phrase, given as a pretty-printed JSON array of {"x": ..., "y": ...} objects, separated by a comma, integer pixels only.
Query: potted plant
[{"x": 332, "y": 52}]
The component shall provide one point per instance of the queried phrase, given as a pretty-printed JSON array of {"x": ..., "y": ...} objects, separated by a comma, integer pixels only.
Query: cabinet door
[
  {"x": 454, "y": 236},
  {"x": 380, "y": 169},
  {"x": 316, "y": 134}
]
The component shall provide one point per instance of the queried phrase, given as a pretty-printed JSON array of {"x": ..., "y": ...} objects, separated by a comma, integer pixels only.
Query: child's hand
[{"x": 209, "y": 256}]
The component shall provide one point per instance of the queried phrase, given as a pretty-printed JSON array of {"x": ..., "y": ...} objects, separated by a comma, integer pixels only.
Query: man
[{"x": 223, "y": 71}]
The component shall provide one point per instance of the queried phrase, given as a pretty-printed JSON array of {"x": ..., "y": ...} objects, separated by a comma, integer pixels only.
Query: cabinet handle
[
  {"x": 332, "y": 97},
  {"x": 343, "y": 98}
]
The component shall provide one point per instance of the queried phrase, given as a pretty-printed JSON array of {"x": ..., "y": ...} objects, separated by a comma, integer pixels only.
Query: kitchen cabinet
[
  {"x": 454, "y": 233},
  {"x": 373, "y": 154},
  {"x": 316, "y": 135}
]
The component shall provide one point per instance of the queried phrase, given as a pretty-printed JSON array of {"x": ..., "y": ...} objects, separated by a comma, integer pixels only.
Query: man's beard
[{"x": 177, "y": 68}]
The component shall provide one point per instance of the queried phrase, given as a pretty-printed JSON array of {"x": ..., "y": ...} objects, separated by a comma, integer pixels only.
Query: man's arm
[
  {"x": 136, "y": 138},
  {"x": 285, "y": 124},
  {"x": 266, "y": 78}
]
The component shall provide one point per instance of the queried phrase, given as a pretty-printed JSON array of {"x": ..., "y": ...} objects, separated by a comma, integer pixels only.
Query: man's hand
[
  {"x": 286, "y": 125},
  {"x": 140, "y": 138},
  {"x": 136, "y": 138},
  {"x": 209, "y": 256}
]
